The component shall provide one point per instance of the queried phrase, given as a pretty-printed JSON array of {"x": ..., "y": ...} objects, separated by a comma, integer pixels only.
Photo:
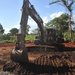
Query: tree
[
  {"x": 36, "y": 31},
  {"x": 27, "y": 30},
  {"x": 74, "y": 29},
  {"x": 1, "y": 29},
  {"x": 60, "y": 23},
  {"x": 68, "y": 4},
  {"x": 14, "y": 31}
]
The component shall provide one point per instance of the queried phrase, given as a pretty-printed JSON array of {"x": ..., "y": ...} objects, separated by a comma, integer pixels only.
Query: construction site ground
[{"x": 57, "y": 63}]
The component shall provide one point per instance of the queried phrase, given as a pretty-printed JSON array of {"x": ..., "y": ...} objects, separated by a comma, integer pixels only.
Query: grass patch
[{"x": 30, "y": 37}]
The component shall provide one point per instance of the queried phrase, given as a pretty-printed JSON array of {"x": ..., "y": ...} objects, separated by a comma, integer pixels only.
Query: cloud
[
  {"x": 47, "y": 6},
  {"x": 56, "y": 14},
  {"x": 45, "y": 19},
  {"x": 74, "y": 17},
  {"x": 15, "y": 26},
  {"x": 33, "y": 24},
  {"x": 6, "y": 30}
]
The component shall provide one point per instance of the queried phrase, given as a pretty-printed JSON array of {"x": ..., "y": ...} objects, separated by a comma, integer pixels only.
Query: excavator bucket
[{"x": 19, "y": 55}]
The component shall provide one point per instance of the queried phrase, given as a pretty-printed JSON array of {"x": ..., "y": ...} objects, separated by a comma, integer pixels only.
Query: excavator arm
[
  {"x": 29, "y": 10},
  {"x": 38, "y": 20},
  {"x": 20, "y": 54}
]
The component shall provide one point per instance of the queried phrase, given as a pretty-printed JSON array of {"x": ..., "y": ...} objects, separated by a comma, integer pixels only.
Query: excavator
[
  {"x": 20, "y": 53},
  {"x": 45, "y": 56}
]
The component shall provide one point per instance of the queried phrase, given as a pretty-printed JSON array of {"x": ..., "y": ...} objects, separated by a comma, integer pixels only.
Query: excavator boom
[
  {"x": 29, "y": 10},
  {"x": 20, "y": 53}
]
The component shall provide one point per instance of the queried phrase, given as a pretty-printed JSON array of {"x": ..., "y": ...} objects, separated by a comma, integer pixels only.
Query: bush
[
  {"x": 73, "y": 37},
  {"x": 66, "y": 36},
  {"x": 30, "y": 37},
  {"x": 13, "y": 38},
  {"x": 9, "y": 38},
  {"x": 4, "y": 37}
]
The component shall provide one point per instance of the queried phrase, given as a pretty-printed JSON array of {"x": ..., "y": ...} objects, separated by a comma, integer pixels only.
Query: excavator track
[
  {"x": 52, "y": 63},
  {"x": 46, "y": 63},
  {"x": 56, "y": 59}
]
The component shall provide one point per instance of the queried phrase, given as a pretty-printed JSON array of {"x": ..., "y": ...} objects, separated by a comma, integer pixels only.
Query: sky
[{"x": 10, "y": 12}]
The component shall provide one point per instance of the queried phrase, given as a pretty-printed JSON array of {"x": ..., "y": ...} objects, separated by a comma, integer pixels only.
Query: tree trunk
[{"x": 70, "y": 27}]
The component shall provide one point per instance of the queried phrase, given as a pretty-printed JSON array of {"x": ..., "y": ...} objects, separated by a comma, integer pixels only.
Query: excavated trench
[{"x": 47, "y": 62}]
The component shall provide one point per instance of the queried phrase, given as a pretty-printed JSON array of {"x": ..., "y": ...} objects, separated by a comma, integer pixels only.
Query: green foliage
[
  {"x": 14, "y": 31},
  {"x": 60, "y": 23},
  {"x": 27, "y": 30},
  {"x": 69, "y": 5},
  {"x": 7, "y": 38},
  {"x": 73, "y": 37},
  {"x": 13, "y": 38},
  {"x": 1, "y": 29},
  {"x": 35, "y": 31},
  {"x": 8, "y": 41},
  {"x": 4, "y": 37},
  {"x": 66, "y": 36},
  {"x": 30, "y": 37}
]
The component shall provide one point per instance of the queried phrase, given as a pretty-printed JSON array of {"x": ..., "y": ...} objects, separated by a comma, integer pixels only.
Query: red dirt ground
[
  {"x": 70, "y": 44},
  {"x": 6, "y": 48}
]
